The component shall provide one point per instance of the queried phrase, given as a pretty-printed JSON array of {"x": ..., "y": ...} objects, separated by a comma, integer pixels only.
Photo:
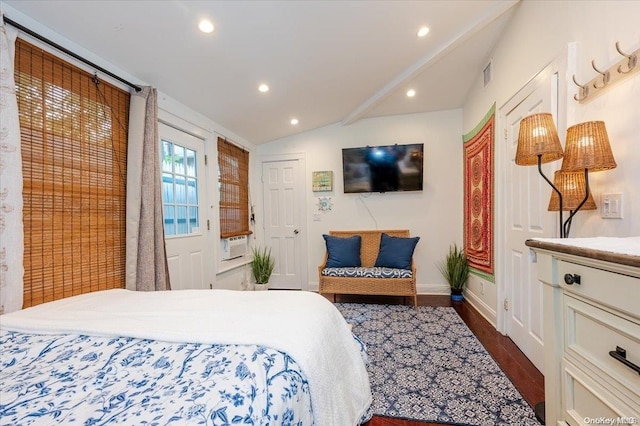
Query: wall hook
[
  {"x": 605, "y": 76},
  {"x": 583, "y": 90},
  {"x": 632, "y": 60}
]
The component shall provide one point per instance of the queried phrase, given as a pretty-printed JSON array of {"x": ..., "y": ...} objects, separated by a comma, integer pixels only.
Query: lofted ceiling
[{"x": 324, "y": 61}]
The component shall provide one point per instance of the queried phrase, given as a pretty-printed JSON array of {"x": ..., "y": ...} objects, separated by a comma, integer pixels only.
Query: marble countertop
[{"x": 621, "y": 250}]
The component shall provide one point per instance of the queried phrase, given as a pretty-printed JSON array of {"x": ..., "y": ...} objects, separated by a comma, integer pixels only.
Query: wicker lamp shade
[
  {"x": 572, "y": 186},
  {"x": 587, "y": 147},
  {"x": 538, "y": 136}
]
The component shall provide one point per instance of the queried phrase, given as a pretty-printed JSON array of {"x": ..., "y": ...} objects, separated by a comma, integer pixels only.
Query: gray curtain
[{"x": 146, "y": 255}]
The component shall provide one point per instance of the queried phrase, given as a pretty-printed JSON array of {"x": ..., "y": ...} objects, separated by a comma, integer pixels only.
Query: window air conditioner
[{"x": 233, "y": 247}]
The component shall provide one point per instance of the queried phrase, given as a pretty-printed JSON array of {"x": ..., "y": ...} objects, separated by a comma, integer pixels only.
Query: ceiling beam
[{"x": 497, "y": 9}]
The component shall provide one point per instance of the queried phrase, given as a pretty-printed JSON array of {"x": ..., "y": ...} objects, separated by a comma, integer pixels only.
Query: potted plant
[
  {"x": 455, "y": 270},
  {"x": 262, "y": 267}
]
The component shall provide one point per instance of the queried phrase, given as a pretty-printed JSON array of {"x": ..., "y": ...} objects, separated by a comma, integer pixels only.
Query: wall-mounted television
[{"x": 386, "y": 168}]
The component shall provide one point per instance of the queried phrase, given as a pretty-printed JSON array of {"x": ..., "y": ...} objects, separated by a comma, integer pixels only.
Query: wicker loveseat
[{"x": 396, "y": 286}]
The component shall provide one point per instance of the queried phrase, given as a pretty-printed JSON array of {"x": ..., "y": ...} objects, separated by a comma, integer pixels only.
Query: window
[
  {"x": 74, "y": 147},
  {"x": 179, "y": 189},
  {"x": 233, "y": 163}
]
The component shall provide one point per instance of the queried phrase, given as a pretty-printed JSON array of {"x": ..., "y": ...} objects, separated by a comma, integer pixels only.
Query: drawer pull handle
[
  {"x": 621, "y": 355},
  {"x": 572, "y": 279}
]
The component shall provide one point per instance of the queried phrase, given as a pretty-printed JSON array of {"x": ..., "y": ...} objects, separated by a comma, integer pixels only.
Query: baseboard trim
[
  {"x": 438, "y": 289},
  {"x": 482, "y": 308}
]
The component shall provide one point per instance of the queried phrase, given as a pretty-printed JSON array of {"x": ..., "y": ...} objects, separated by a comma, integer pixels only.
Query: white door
[
  {"x": 184, "y": 209},
  {"x": 283, "y": 212},
  {"x": 526, "y": 197}
]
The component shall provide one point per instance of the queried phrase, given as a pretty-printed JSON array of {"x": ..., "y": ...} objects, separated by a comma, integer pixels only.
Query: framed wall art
[{"x": 322, "y": 181}]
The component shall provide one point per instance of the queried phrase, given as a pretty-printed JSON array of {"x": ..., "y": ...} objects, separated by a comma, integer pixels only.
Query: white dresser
[{"x": 591, "y": 308}]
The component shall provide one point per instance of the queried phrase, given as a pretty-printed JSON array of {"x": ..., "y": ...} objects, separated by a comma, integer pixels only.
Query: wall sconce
[
  {"x": 538, "y": 143},
  {"x": 587, "y": 150},
  {"x": 572, "y": 186}
]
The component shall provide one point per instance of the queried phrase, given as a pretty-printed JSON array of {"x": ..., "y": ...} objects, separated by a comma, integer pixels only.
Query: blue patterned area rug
[{"x": 427, "y": 365}]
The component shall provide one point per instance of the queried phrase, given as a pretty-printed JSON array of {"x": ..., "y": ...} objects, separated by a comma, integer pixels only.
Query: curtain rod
[{"x": 68, "y": 52}]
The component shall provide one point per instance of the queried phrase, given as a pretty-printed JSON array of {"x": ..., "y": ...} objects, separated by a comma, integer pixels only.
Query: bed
[{"x": 216, "y": 357}]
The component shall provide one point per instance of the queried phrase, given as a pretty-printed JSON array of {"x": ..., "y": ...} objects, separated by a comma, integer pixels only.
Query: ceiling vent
[{"x": 487, "y": 74}]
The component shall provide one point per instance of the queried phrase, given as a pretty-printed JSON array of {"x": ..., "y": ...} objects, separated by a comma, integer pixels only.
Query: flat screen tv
[{"x": 386, "y": 168}]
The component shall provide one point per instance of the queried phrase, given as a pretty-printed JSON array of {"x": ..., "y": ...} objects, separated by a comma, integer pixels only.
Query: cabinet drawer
[
  {"x": 620, "y": 292},
  {"x": 591, "y": 333},
  {"x": 585, "y": 399}
]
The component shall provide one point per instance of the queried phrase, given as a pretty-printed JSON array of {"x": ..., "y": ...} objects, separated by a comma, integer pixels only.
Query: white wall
[
  {"x": 435, "y": 214},
  {"x": 538, "y": 33}
]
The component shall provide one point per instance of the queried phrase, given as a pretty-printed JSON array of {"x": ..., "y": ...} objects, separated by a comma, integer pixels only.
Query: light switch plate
[{"x": 611, "y": 206}]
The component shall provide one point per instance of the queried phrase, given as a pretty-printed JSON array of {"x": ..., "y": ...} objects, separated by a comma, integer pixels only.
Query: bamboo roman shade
[
  {"x": 74, "y": 147},
  {"x": 233, "y": 163}
]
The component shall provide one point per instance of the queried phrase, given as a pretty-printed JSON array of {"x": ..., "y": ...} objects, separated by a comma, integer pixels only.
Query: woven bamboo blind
[
  {"x": 234, "y": 189},
  {"x": 74, "y": 146}
]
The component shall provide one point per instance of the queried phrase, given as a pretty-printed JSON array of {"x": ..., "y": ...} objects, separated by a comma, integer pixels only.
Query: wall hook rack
[{"x": 626, "y": 67}]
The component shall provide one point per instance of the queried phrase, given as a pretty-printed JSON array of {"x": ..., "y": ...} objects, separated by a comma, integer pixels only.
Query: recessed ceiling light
[
  {"x": 294, "y": 121},
  {"x": 411, "y": 93},
  {"x": 205, "y": 26},
  {"x": 263, "y": 88},
  {"x": 423, "y": 31}
]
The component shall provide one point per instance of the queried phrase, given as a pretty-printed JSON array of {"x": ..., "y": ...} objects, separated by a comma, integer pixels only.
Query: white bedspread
[{"x": 304, "y": 325}]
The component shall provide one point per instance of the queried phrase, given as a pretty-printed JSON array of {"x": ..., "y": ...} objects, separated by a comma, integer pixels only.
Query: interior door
[
  {"x": 526, "y": 200},
  {"x": 282, "y": 195},
  {"x": 184, "y": 209}
]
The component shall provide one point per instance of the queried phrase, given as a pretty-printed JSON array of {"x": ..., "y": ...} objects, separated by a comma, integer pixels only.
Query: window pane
[
  {"x": 181, "y": 190},
  {"x": 167, "y": 156},
  {"x": 178, "y": 160},
  {"x": 194, "y": 221},
  {"x": 169, "y": 220},
  {"x": 191, "y": 163},
  {"x": 192, "y": 191},
  {"x": 167, "y": 188},
  {"x": 181, "y": 218}
]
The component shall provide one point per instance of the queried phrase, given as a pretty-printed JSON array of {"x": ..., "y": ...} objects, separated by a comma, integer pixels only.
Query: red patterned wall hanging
[{"x": 478, "y": 194}]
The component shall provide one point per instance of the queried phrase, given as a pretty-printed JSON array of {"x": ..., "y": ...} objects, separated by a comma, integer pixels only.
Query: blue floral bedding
[{"x": 89, "y": 380}]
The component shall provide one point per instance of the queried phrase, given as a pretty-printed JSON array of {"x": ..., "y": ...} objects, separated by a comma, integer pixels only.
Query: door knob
[{"x": 295, "y": 231}]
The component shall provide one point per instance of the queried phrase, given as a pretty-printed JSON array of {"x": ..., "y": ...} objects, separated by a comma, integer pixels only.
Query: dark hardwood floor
[{"x": 527, "y": 379}]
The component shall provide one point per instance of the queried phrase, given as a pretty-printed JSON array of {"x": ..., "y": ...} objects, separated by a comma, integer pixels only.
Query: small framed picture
[{"x": 323, "y": 181}]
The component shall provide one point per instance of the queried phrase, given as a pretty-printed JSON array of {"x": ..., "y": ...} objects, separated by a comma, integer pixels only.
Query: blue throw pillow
[
  {"x": 343, "y": 252},
  {"x": 396, "y": 252}
]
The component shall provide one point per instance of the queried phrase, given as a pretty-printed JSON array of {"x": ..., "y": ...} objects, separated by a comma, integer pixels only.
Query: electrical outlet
[{"x": 482, "y": 288}]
